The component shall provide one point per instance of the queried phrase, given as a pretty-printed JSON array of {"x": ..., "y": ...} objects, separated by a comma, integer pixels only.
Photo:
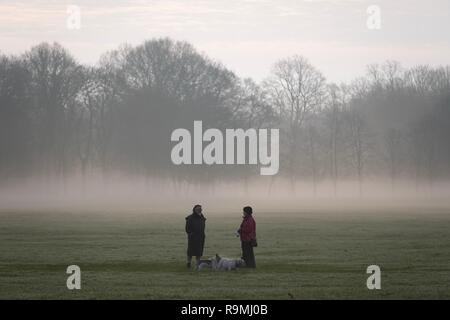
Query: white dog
[{"x": 219, "y": 263}]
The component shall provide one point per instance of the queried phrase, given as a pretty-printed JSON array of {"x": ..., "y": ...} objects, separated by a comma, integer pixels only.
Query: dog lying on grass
[{"x": 220, "y": 263}]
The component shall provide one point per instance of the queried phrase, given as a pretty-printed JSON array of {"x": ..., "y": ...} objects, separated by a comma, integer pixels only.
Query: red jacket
[{"x": 248, "y": 229}]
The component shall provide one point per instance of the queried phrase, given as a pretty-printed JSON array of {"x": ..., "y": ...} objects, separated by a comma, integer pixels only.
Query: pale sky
[{"x": 247, "y": 36}]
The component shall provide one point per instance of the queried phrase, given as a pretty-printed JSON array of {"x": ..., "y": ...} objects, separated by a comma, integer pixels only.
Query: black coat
[{"x": 195, "y": 229}]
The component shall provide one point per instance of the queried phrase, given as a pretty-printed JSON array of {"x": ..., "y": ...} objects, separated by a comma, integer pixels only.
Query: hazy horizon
[{"x": 124, "y": 194}]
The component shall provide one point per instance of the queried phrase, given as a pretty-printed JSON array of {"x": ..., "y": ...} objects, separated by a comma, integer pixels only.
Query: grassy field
[{"x": 301, "y": 255}]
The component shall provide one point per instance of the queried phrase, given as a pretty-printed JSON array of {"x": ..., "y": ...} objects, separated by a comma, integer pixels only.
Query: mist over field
[{"x": 124, "y": 196}]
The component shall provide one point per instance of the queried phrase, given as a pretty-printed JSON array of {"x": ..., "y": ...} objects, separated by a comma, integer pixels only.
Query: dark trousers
[{"x": 247, "y": 254}]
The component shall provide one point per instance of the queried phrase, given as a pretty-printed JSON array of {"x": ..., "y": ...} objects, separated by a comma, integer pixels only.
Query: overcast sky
[{"x": 248, "y": 36}]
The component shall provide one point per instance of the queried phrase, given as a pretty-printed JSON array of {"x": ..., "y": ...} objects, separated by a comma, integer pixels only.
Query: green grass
[{"x": 307, "y": 255}]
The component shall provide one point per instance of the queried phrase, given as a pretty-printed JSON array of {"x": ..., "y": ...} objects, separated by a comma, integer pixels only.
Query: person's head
[
  {"x": 248, "y": 211},
  {"x": 197, "y": 209}
]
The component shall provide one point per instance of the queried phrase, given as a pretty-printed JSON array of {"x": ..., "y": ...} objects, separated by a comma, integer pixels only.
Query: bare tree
[
  {"x": 297, "y": 88},
  {"x": 357, "y": 129},
  {"x": 56, "y": 78},
  {"x": 252, "y": 110},
  {"x": 334, "y": 111}
]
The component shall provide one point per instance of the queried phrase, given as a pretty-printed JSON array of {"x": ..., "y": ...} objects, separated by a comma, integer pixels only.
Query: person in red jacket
[{"x": 247, "y": 232}]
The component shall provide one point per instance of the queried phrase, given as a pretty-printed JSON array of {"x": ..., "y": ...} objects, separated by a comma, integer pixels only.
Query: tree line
[{"x": 59, "y": 117}]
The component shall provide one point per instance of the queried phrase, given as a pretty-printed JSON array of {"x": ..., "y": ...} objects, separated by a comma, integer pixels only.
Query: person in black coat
[{"x": 195, "y": 229}]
